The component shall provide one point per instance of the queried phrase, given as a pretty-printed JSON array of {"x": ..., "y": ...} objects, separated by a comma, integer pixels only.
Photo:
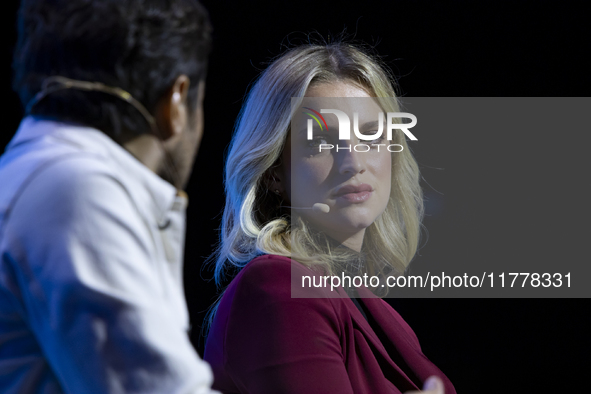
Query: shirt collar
[{"x": 162, "y": 195}]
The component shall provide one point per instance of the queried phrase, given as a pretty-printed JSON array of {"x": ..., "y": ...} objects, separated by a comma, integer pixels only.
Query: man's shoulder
[
  {"x": 58, "y": 161},
  {"x": 35, "y": 157},
  {"x": 68, "y": 173},
  {"x": 67, "y": 162},
  {"x": 66, "y": 188}
]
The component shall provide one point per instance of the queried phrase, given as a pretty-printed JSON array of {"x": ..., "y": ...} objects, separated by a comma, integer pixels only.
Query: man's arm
[{"x": 92, "y": 291}]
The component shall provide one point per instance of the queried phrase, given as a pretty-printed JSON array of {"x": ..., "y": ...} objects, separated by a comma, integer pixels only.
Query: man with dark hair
[{"x": 91, "y": 202}]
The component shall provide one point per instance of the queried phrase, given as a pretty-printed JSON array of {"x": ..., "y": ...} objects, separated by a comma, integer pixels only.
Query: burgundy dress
[{"x": 264, "y": 341}]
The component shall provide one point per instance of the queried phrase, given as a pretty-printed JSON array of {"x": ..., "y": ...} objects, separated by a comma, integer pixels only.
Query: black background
[{"x": 523, "y": 203}]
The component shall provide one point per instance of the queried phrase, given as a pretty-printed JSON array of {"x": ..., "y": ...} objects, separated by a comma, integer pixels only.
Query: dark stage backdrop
[{"x": 477, "y": 205}]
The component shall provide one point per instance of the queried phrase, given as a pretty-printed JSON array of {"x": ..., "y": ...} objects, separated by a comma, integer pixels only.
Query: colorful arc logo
[{"x": 316, "y": 117}]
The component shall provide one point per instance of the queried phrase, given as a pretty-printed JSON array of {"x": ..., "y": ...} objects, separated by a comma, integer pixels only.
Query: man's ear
[{"x": 172, "y": 112}]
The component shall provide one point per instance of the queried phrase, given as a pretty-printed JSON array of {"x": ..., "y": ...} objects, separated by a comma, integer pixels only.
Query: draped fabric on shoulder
[{"x": 264, "y": 341}]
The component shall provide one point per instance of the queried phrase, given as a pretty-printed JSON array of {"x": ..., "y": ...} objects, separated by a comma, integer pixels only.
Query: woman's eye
[
  {"x": 378, "y": 140},
  {"x": 317, "y": 141}
]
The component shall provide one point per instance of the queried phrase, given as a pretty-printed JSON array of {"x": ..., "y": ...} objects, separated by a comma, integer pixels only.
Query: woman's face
[{"x": 354, "y": 184}]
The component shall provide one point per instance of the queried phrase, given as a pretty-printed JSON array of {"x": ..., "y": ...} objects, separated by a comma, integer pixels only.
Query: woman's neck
[{"x": 351, "y": 241}]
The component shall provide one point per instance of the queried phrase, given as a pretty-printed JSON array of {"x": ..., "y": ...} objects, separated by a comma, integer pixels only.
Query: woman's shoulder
[
  {"x": 269, "y": 273},
  {"x": 273, "y": 278},
  {"x": 269, "y": 261},
  {"x": 271, "y": 268}
]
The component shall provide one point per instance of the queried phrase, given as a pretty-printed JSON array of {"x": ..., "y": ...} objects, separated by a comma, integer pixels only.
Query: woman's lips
[
  {"x": 355, "y": 197},
  {"x": 354, "y": 193}
]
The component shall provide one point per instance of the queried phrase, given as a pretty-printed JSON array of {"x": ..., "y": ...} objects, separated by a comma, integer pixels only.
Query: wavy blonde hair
[{"x": 253, "y": 222}]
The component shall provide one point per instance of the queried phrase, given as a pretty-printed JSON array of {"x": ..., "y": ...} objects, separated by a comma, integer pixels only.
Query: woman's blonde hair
[{"x": 253, "y": 222}]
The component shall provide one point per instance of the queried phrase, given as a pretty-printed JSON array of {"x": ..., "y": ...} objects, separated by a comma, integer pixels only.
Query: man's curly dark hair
[{"x": 141, "y": 46}]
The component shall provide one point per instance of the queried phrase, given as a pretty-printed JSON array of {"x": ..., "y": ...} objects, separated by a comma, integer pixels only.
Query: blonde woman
[{"x": 296, "y": 211}]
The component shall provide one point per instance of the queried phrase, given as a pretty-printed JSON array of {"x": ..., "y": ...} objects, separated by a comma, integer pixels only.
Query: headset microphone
[{"x": 318, "y": 207}]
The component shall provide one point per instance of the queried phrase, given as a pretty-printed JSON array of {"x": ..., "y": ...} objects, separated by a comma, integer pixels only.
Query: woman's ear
[{"x": 172, "y": 113}]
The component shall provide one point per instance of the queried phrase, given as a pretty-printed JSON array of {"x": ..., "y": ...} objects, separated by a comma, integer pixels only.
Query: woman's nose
[{"x": 350, "y": 161}]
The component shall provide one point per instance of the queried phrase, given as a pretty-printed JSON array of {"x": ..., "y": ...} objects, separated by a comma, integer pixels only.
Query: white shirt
[{"x": 91, "y": 297}]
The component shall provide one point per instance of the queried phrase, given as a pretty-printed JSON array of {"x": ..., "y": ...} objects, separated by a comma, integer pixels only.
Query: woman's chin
[
  {"x": 354, "y": 219},
  {"x": 344, "y": 227},
  {"x": 349, "y": 220}
]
